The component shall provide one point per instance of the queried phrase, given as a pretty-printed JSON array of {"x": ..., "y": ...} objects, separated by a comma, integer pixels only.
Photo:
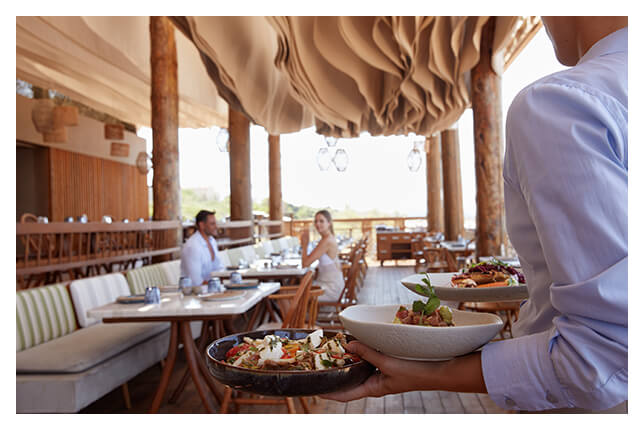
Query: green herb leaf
[
  {"x": 432, "y": 305},
  {"x": 418, "y": 306},
  {"x": 326, "y": 363}
]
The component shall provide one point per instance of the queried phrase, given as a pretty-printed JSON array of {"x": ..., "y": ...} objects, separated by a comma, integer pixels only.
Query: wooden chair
[
  {"x": 347, "y": 298},
  {"x": 508, "y": 311},
  {"x": 438, "y": 260},
  {"x": 293, "y": 305}
]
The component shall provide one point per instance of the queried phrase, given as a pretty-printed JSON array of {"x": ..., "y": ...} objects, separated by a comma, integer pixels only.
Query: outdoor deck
[{"x": 381, "y": 287}]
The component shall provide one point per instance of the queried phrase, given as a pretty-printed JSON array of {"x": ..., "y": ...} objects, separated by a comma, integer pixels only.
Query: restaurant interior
[{"x": 106, "y": 320}]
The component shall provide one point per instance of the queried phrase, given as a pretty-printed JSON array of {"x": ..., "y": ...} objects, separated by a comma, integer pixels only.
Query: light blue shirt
[
  {"x": 196, "y": 262},
  {"x": 566, "y": 202}
]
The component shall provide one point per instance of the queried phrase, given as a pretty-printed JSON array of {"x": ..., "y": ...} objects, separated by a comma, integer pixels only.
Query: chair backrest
[
  {"x": 97, "y": 291},
  {"x": 224, "y": 257},
  {"x": 43, "y": 314},
  {"x": 172, "y": 271},
  {"x": 146, "y": 276},
  {"x": 294, "y": 306},
  {"x": 234, "y": 254},
  {"x": 248, "y": 253},
  {"x": 260, "y": 252},
  {"x": 284, "y": 243},
  {"x": 349, "y": 291},
  {"x": 268, "y": 247}
]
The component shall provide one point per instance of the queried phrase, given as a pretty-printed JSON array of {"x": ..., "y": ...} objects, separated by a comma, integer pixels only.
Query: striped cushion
[
  {"x": 146, "y": 276},
  {"x": 43, "y": 314},
  {"x": 97, "y": 291},
  {"x": 171, "y": 271}
]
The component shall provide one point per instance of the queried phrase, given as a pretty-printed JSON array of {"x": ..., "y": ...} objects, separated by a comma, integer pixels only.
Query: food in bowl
[
  {"x": 492, "y": 273},
  {"x": 427, "y": 314},
  {"x": 314, "y": 352}
]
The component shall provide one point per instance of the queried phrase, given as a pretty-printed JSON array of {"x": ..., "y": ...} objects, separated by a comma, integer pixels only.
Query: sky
[{"x": 377, "y": 176}]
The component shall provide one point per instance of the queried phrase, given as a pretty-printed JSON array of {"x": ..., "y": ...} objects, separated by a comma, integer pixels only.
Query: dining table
[
  {"x": 288, "y": 270},
  {"x": 180, "y": 311}
]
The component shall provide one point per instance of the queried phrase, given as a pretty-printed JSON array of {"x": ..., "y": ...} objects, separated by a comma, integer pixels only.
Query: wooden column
[
  {"x": 452, "y": 191},
  {"x": 434, "y": 184},
  {"x": 241, "y": 202},
  {"x": 165, "y": 122},
  {"x": 275, "y": 182},
  {"x": 488, "y": 135}
]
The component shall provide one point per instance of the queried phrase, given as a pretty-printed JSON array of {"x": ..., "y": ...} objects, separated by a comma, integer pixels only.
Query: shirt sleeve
[
  {"x": 191, "y": 264},
  {"x": 217, "y": 264},
  {"x": 566, "y": 150}
]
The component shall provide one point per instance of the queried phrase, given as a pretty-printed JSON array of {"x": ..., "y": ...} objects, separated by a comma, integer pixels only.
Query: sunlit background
[{"x": 377, "y": 181}]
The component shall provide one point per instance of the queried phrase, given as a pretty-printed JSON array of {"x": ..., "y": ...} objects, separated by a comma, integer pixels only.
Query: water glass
[
  {"x": 152, "y": 295},
  {"x": 235, "y": 277}
]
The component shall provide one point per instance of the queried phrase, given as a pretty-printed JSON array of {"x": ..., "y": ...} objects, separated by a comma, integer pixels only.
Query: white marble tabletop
[{"x": 177, "y": 305}]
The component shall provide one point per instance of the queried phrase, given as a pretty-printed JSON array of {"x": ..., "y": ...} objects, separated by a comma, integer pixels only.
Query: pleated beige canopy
[
  {"x": 345, "y": 75},
  {"x": 104, "y": 62}
]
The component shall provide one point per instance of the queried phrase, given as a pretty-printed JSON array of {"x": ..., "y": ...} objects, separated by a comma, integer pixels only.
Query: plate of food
[
  {"x": 223, "y": 295},
  {"x": 241, "y": 285},
  {"x": 489, "y": 281},
  {"x": 422, "y": 330},
  {"x": 286, "y": 362}
]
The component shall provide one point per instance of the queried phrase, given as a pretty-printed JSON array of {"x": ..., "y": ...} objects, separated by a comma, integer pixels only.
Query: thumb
[{"x": 365, "y": 352}]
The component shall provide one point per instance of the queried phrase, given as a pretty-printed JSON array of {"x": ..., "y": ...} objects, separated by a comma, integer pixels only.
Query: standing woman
[{"x": 330, "y": 276}]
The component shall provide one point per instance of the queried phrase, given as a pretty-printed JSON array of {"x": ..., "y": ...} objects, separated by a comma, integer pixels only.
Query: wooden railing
[{"x": 47, "y": 252}]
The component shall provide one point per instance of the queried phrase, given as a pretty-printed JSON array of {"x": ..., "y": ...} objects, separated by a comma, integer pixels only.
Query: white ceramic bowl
[{"x": 373, "y": 326}]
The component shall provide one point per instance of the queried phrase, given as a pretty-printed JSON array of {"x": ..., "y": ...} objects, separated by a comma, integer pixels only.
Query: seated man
[{"x": 199, "y": 255}]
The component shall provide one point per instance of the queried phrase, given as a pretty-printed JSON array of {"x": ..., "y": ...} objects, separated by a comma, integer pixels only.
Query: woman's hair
[{"x": 326, "y": 214}]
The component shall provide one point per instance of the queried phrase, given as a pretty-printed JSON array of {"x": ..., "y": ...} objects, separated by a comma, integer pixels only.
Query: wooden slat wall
[{"x": 80, "y": 184}]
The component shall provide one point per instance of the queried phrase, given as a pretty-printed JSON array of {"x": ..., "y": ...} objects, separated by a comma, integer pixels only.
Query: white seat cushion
[
  {"x": 97, "y": 291},
  {"x": 225, "y": 259},
  {"x": 268, "y": 248},
  {"x": 85, "y": 348},
  {"x": 248, "y": 253}
]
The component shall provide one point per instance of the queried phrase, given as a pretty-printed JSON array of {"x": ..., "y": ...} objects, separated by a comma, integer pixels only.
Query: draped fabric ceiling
[
  {"x": 104, "y": 62},
  {"x": 345, "y": 75}
]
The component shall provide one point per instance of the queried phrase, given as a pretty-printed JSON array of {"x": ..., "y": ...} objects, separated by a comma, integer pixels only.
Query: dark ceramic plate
[{"x": 288, "y": 383}]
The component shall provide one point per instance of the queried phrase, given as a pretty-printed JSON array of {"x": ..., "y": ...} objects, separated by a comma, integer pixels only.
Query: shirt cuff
[{"x": 519, "y": 375}]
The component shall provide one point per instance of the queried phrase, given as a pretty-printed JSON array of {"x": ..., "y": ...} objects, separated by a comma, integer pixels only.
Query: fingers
[{"x": 371, "y": 355}]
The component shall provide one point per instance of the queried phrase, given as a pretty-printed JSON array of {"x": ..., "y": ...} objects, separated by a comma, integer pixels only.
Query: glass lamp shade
[
  {"x": 223, "y": 141},
  {"x": 341, "y": 160},
  {"x": 331, "y": 141},
  {"x": 323, "y": 159},
  {"x": 414, "y": 160}
]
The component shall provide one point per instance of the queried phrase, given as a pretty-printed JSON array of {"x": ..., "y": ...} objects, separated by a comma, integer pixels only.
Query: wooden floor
[{"x": 382, "y": 286}]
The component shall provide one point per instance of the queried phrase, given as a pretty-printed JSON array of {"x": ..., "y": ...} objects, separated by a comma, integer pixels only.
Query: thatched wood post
[
  {"x": 164, "y": 99},
  {"x": 434, "y": 183},
  {"x": 241, "y": 203},
  {"x": 452, "y": 189},
  {"x": 488, "y": 156},
  {"x": 275, "y": 182}
]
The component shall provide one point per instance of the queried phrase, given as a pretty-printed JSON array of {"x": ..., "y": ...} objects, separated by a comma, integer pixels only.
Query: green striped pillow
[
  {"x": 146, "y": 276},
  {"x": 43, "y": 314}
]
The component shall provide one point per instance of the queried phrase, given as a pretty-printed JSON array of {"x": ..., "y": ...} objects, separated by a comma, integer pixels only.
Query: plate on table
[
  {"x": 136, "y": 298},
  {"x": 373, "y": 326},
  {"x": 282, "y": 382},
  {"x": 442, "y": 283},
  {"x": 244, "y": 284},
  {"x": 225, "y": 295}
]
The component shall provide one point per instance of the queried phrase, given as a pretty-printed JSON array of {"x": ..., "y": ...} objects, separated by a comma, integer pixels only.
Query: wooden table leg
[
  {"x": 203, "y": 337},
  {"x": 167, "y": 369},
  {"x": 193, "y": 363}
]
